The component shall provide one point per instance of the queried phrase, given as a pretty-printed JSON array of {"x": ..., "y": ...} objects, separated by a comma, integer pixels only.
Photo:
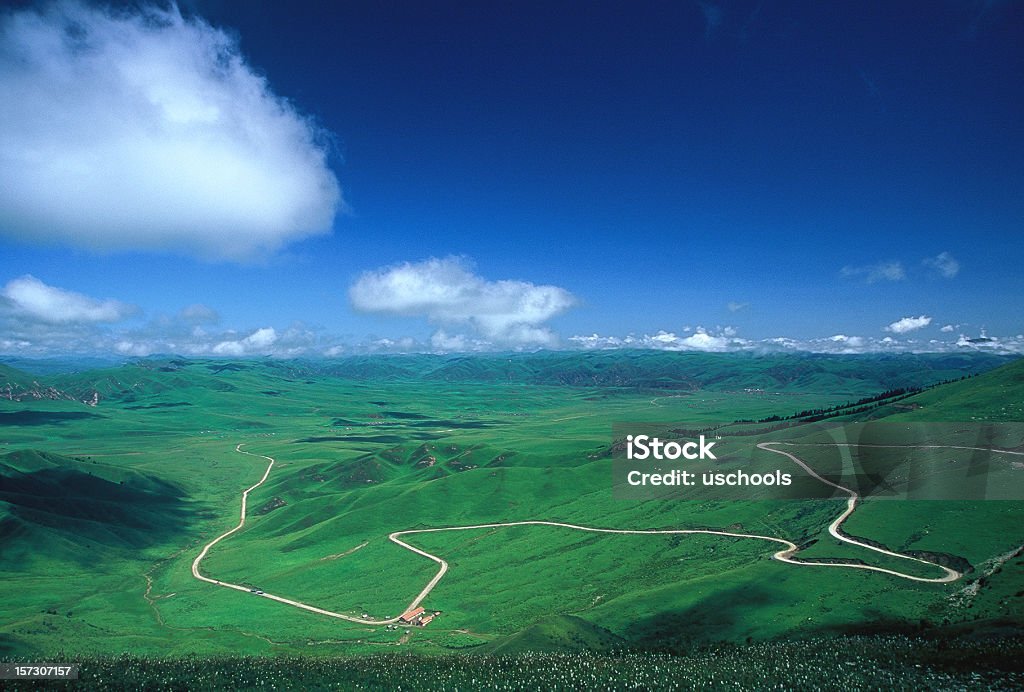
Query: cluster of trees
[{"x": 816, "y": 414}]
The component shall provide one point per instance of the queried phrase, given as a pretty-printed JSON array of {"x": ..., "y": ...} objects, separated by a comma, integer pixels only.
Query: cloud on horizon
[
  {"x": 448, "y": 293},
  {"x": 39, "y": 320},
  {"x": 157, "y": 136},
  {"x": 838, "y": 344},
  {"x": 260, "y": 341},
  {"x": 700, "y": 340}
]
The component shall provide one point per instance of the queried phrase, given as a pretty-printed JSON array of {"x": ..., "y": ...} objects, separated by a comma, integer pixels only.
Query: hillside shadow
[
  {"x": 27, "y": 417},
  {"x": 67, "y": 513},
  {"x": 715, "y": 618}
]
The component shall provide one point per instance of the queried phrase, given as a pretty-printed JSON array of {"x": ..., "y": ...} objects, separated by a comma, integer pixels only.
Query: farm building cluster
[{"x": 417, "y": 616}]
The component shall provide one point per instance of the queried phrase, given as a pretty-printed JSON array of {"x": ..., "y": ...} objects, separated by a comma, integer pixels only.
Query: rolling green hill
[
  {"x": 103, "y": 508},
  {"x": 996, "y": 395}
]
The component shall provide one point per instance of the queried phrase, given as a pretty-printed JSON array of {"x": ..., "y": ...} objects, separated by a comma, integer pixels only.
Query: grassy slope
[{"x": 424, "y": 450}]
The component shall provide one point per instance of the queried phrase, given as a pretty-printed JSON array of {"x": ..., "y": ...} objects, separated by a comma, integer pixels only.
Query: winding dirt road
[
  {"x": 786, "y": 554},
  {"x": 238, "y": 587}
]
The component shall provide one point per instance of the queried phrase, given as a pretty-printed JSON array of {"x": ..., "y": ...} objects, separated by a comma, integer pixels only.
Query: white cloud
[
  {"x": 144, "y": 130},
  {"x": 702, "y": 341},
  {"x": 873, "y": 273},
  {"x": 699, "y": 340},
  {"x": 165, "y": 335},
  {"x": 29, "y": 298},
  {"x": 443, "y": 342},
  {"x": 908, "y": 324},
  {"x": 949, "y": 328},
  {"x": 260, "y": 341},
  {"x": 736, "y": 307},
  {"x": 447, "y": 292},
  {"x": 595, "y": 341},
  {"x": 943, "y": 264},
  {"x": 836, "y": 344},
  {"x": 848, "y": 343}
]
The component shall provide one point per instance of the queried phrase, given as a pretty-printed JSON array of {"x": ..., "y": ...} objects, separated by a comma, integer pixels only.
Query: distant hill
[
  {"x": 644, "y": 370},
  {"x": 58, "y": 364},
  {"x": 693, "y": 371}
]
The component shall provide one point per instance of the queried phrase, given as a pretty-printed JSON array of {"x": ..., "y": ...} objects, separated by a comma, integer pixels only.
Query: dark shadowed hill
[{"x": 54, "y": 507}]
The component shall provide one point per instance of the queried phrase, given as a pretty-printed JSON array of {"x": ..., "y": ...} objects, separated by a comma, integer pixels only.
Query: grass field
[{"x": 103, "y": 508}]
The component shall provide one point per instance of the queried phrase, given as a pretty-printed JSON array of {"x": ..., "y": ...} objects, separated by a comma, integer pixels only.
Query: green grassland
[{"x": 103, "y": 507}]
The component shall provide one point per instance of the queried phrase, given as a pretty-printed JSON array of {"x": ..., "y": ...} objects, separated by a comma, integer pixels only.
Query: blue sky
[{"x": 462, "y": 176}]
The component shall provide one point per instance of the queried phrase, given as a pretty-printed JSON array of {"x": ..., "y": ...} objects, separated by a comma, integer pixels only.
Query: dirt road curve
[
  {"x": 238, "y": 587},
  {"x": 785, "y": 555}
]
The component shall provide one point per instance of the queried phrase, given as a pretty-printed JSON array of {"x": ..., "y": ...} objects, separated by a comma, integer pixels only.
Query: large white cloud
[
  {"x": 147, "y": 130},
  {"x": 908, "y": 324},
  {"x": 29, "y": 299},
  {"x": 447, "y": 292}
]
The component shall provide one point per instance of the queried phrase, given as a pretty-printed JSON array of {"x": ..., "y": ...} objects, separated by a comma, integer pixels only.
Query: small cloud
[
  {"x": 443, "y": 342},
  {"x": 259, "y": 342},
  {"x": 949, "y": 328},
  {"x": 849, "y": 342},
  {"x": 405, "y": 344},
  {"x": 736, "y": 307},
  {"x": 126, "y": 347},
  {"x": 595, "y": 341},
  {"x": 873, "y": 273},
  {"x": 908, "y": 324},
  {"x": 157, "y": 135},
  {"x": 28, "y": 297},
  {"x": 702, "y": 341},
  {"x": 447, "y": 292},
  {"x": 943, "y": 264}
]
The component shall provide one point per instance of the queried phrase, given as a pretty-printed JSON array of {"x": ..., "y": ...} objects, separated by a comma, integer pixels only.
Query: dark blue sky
[{"x": 823, "y": 167}]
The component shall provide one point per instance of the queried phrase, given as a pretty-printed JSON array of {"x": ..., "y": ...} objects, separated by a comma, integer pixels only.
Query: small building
[
  {"x": 425, "y": 620},
  {"x": 411, "y": 615}
]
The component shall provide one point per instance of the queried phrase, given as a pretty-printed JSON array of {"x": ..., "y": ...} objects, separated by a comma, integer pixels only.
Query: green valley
[{"x": 113, "y": 480}]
